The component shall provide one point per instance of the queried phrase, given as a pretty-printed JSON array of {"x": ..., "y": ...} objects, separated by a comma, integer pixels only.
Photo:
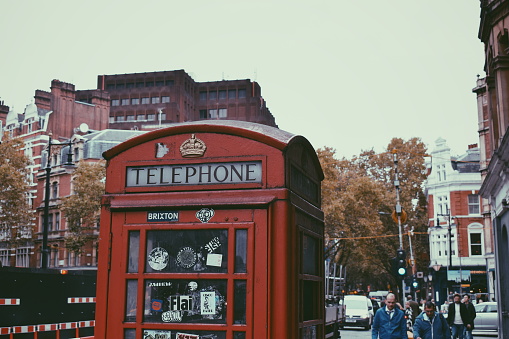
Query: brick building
[
  {"x": 459, "y": 244},
  {"x": 125, "y": 103},
  {"x": 152, "y": 100},
  {"x": 493, "y": 117}
]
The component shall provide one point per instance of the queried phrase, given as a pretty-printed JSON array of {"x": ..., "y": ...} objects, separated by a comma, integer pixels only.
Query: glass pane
[
  {"x": 310, "y": 299},
  {"x": 130, "y": 300},
  {"x": 309, "y": 255},
  {"x": 239, "y": 306},
  {"x": 186, "y": 251},
  {"x": 134, "y": 250},
  {"x": 183, "y": 334},
  {"x": 185, "y": 301},
  {"x": 129, "y": 333},
  {"x": 309, "y": 332},
  {"x": 240, "y": 251},
  {"x": 239, "y": 335}
]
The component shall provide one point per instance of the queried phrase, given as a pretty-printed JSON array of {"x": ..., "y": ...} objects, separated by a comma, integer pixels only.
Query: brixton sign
[{"x": 195, "y": 174}]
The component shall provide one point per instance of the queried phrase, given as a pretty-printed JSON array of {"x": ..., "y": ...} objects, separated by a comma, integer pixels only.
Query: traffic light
[
  {"x": 401, "y": 263},
  {"x": 415, "y": 284}
]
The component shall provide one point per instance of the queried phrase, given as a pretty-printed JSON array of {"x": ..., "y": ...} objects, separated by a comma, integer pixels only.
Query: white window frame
[
  {"x": 474, "y": 205},
  {"x": 23, "y": 257},
  {"x": 475, "y": 229}
]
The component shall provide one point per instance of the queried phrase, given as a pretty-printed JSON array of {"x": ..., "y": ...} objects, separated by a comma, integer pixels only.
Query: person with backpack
[{"x": 431, "y": 324}]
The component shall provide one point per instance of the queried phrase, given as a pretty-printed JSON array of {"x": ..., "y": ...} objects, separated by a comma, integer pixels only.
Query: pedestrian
[
  {"x": 414, "y": 305},
  {"x": 390, "y": 322},
  {"x": 457, "y": 317},
  {"x": 469, "y": 325},
  {"x": 431, "y": 324}
]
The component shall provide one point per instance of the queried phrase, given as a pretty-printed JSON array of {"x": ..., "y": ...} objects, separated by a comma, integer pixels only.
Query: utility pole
[{"x": 398, "y": 211}]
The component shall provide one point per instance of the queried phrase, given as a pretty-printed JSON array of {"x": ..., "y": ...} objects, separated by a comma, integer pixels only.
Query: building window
[
  {"x": 120, "y": 86},
  {"x": 125, "y": 102},
  {"x": 223, "y": 113},
  {"x": 169, "y": 82},
  {"x": 110, "y": 86},
  {"x": 22, "y": 257},
  {"x": 222, "y": 94},
  {"x": 140, "y": 117},
  {"x": 145, "y": 101},
  {"x": 476, "y": 244},
  {"x": 4, "y": 257},
  {"x": 149, "y": 84},
  {"x": 155, "y": 100},
  {"x": 112, "y": 120},
  {"x": 162, "y": 116},
  {"x": 165, "y": 100},
  {"x": 135, "y": 101},
  {"x": 119, "y": 118},
  {"x": 151, "y": 117},
  {"x": 140, "y": 84},
  {"x": 232, "y": 93},
  {"x": 213, "y": 95},
  {"x": 242, "y": 93},
  {"x": 473, "y": 204},
  {"x": 50, "y": 222},
  {"x": 130, "y": 117},
  {"x": 129, "y": 85},
  {"x": 115, "y": 102},
  {"x": 57, "y": 221},
  {"x": 213, "y": 113},
  {"x": 76, "y": 154},
  {"x": 203, "y": 96},
  {"x": 29, "y": 125},
  {"x": 203, "y": 114},
  {"x": 54, "y": 189},
  {"x": 159, "y": 83}
]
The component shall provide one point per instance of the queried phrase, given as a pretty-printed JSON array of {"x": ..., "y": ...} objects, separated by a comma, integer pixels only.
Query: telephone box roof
[{"x": 272, "y": 136}]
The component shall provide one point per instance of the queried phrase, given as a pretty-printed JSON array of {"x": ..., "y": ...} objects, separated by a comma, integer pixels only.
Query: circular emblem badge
[
  {"x": 205, "y": 214},
  {"x": 186, "y": 257},
  {"x": 158, "y": 258}
]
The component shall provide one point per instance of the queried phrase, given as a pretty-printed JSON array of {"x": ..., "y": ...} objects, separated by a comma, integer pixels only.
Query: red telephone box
[{"x": 211, "y": 230}]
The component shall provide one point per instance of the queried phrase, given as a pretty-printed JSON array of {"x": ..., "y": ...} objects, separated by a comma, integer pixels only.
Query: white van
[
  {"x": 359, "y": 311},
  {"x": 378, "y": 295}
]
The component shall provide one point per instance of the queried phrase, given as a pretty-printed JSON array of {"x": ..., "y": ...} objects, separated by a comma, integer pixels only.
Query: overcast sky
[{"x": 348, "y": 74}]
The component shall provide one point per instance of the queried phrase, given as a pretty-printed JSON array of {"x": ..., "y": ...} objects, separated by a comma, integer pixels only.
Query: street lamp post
[
  {"x": 45, "y": 226},
  {"x": 449, "y": 238}
]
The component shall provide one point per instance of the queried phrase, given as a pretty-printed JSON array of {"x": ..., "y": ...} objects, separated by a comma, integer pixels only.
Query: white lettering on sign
[
  {"x": 162, "y": 216},
  {"x": 180, "y": 302},
  {"x": 195, "y": 174}
]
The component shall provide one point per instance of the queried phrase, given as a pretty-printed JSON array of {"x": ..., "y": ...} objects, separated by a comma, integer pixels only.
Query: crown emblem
[{"x": 192, "y": 148}]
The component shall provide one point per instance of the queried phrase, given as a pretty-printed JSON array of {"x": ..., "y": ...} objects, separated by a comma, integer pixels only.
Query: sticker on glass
[
  {"x": 187, "y": 336},
  {"x": 158, "y": 258},
  {"x": 214, "y": 259},
  {"x": 208, "y": 302},
  {"x": 186, "y": 257},
  {"x": 213, "y": 244},
  {"x": 156, "y": 305},
  {"x": 205, "y": 214},
  {"x": 172, "y": 317},
  {"x": 156, "y": 334}
]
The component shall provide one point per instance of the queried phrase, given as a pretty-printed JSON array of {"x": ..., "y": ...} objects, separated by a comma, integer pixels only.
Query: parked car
[
  {"x": 486, "y": 316},
  {"x": 358, "y": 311}
]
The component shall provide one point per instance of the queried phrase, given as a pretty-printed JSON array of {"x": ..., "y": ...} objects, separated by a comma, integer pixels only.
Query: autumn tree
[
  {"x": 83, "y": 207},
  {"x": 357, "y": 193},
  {"x": 16, "y": 215}
]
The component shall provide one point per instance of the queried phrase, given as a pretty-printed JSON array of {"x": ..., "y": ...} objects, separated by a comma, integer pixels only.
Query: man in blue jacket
[
  {"x": 390, "y": 322},
  {"x": 431, "y": 324}
]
